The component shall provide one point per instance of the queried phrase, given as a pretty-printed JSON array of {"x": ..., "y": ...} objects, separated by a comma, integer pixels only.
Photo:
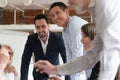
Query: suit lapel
[
  {"x": 39, "y": 46},
  {"x": 49, "y": 43}
]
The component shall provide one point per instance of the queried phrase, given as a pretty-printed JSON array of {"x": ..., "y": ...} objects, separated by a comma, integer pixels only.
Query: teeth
[
  {"x": 84, "y": 45},
  {"x": 58, "y": 20}
]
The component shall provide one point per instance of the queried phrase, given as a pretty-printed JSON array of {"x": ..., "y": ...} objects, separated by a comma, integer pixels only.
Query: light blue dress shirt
[{"x": 72, "y": 39}]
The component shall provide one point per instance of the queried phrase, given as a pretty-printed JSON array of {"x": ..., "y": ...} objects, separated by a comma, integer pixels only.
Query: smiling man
[
  {"x": 45, "y": 45},
  {"x": 71, "y": 34}
]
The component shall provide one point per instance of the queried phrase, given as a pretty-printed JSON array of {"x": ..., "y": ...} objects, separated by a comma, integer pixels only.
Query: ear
[{"x": 67, "y": 11}]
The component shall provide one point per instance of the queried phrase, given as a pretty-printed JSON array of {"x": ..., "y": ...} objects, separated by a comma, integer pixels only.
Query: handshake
[{"x": 44, "y": 66}]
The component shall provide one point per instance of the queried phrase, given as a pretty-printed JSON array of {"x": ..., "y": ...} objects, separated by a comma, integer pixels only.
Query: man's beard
[{"x": 42, "y": 35}]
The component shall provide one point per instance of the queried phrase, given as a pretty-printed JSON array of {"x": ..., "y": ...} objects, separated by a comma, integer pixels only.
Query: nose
[{"x": 40, "y": 29}]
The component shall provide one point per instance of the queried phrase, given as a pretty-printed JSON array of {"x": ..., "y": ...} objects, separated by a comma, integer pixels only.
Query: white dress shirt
[
  {"x": 107, "y": 17},
  {"x": 106, "y": 45},
  {"x": 44, "y": 45}
]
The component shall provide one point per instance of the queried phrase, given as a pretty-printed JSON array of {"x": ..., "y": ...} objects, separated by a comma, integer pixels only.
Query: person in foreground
[
  {"x": 9, "y": 68},
  {"x": 105, "y": 47},
  {"x": 45, "y": 45}
]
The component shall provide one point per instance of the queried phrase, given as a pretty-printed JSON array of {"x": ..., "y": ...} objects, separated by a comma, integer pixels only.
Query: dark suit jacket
[
  {"x": 95, "y": 72},
  {"x": 33, "y": 45}
]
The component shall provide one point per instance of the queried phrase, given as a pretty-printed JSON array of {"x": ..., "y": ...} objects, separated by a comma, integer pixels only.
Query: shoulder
[
  {"x": 55, "y": 36},
  {"x": 35, "y": 35},
  {"x": 75, "y": 20}
]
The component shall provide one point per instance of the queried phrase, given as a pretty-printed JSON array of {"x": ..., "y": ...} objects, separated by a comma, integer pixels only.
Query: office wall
[{"x": 27, "y": 16}]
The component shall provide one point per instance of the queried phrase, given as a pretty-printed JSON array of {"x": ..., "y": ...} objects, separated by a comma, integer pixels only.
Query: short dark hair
[
  {"x": 41, "y": 16},
  {"x": 59, "y": 4}
]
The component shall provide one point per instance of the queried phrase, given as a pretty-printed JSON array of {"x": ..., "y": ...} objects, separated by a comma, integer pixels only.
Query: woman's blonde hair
[{"x": 10, "y": 51}]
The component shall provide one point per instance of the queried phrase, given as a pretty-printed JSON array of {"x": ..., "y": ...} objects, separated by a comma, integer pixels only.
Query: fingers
[
  {"x": 40, "y": 62},
  {"x": 45, "y": 66},
  {"x": 54, "y": 77},
  {"x": 14, "y": 71},
  {"x": 11, "y": 69},
  {"x": 39, "y": 65}
]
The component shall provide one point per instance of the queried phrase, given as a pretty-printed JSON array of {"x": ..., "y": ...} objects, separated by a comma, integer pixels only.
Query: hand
[
  {"x": 45, "y": 66},
  {"x": 11, "y": 69},
  {"x": 54, "y": 77}
]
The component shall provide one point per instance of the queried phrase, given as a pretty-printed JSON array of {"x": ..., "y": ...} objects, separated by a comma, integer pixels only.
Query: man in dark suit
[{"x": 45, "y": 45}]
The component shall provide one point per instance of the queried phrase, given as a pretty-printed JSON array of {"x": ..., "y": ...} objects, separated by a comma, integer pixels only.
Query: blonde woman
[
  {"x": 4, "y": 58},
  {"x": 9, "y": 68}
]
